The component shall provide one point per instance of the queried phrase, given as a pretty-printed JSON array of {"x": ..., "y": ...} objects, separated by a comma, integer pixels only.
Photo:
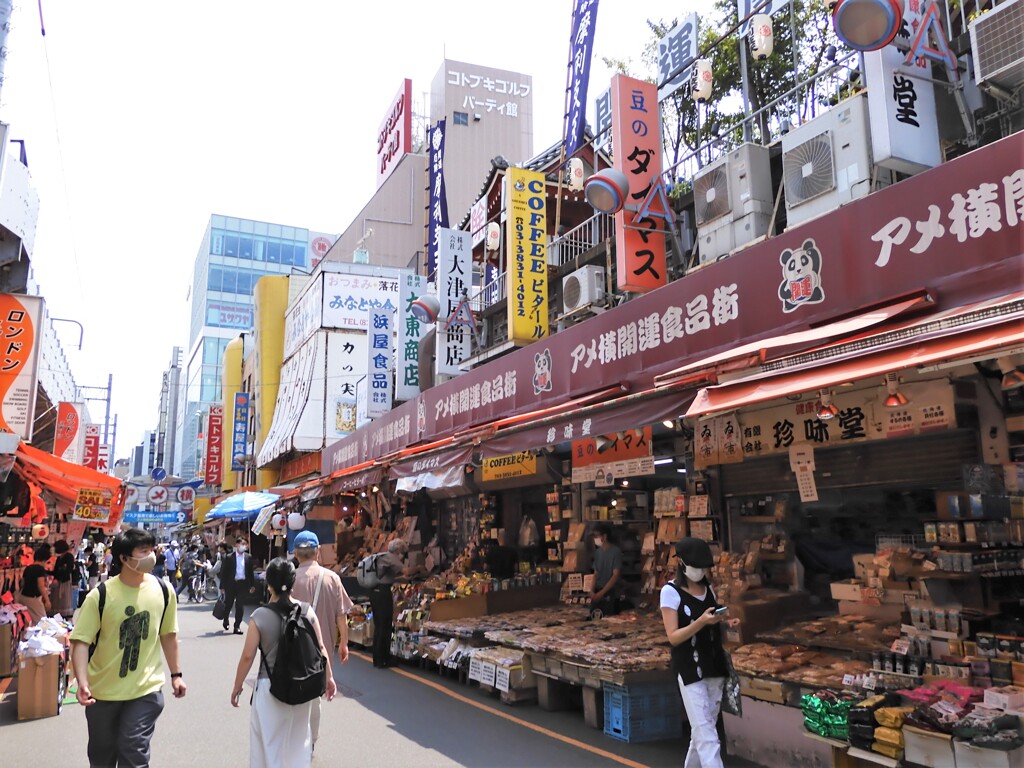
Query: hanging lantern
[
  {"x": 40, "y": 531},
  {"x": 493, "y": 239},
  {"x": 701, "y": 80},
  {"x": 575, "y": 174},
  {"x": 277, "y": 522},
  {"x": 296, "y": 521},
  {"x": 762, "y": 38},
  {"x": 867, "y": 25}
]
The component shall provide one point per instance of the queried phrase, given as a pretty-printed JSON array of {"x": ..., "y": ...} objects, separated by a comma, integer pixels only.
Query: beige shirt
[{"x": 334, "y": 600}]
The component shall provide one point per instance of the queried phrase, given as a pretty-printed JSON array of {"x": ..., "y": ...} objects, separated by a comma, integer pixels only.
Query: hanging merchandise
[{"x": 278, "y": 522}]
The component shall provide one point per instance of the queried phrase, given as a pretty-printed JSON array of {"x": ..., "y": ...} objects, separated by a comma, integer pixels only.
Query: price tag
[
  {"x": 901, "y": 646},
  {"x": 475, "y": 666},
  {"x": 870, "y": 682},
  {"x": 849, "y": 681},
  {"x": 487, "y": 673},
  {"x": 501, "y": 681}
]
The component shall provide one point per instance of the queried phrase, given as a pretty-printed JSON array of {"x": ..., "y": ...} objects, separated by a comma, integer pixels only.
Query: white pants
[
  {"x": 314, "y": 719},
  {"x": 702, "y": 701},
  {"x": 279, "y": 734}
]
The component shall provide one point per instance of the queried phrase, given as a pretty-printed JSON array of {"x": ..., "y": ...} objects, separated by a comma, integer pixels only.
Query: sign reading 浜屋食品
[
  {"x": 410, "y": 331},
  {"x": 214, "y": 445},
  {"x": 454, "y": 281},
  {"x": 527, "y": 256},
  {"x": 20, "y": 335},
  {"x": 581, "y": 47},
  {"x": 380, "y": 363},
  {"x": 240, "y": 431},
  {"x": 639, "y": 233}
]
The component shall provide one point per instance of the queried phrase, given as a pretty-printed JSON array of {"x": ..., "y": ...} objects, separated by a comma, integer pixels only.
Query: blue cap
[{"x": 306, "y": 540}]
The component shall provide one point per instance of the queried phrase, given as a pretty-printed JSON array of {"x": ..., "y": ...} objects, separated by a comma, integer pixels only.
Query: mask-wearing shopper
[
  {"x": 237, "y": 583},
  {"x": 389, "y": 568},
  {"x": 698, "y": 659},
  {"x": 130, "y": 618}
]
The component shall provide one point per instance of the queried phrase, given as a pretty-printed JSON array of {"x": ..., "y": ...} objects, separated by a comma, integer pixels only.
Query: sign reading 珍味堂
[
  {"x": 240, "y": 431},
  {"x": 454, "y": 280},
  {"x": 437, "y": 203},
  {"x": 639, "y": 233},
  {"x": 214, "y": 445},
  {"x": 677, "y": 50},
  {"x": 348, "y": 297},
  {"x": 380, "y": 361},
  {"x": 581, "y": 47},
  {"x": 527, "y": 256},
  {"x": 410, "y": 331}
]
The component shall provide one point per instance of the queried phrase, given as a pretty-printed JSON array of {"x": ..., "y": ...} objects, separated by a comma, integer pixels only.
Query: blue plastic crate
[{"x": 643, "y": 712}]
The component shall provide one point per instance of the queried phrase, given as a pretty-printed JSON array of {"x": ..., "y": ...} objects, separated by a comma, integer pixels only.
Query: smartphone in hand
[{"x": 720, "y": 611}]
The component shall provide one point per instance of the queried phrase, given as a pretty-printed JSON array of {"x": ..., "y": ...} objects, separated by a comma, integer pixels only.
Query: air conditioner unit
[
  {"x": 826, "y": 162},
  {"x": 997, "y": 45},
  {"x": 582, "y": 287},
  {"x": 732, "y": 201}
]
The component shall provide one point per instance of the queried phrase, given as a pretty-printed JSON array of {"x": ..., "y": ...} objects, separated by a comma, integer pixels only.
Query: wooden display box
[
  {"x": 967, "y": 755},
  {"x": 489, "y": 603},
  {"x": 932, "y": 750},
  {"x": 772, "y": 691}
]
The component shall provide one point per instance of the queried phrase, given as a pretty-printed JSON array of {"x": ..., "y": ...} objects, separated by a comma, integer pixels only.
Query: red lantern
[{"x": 40, "y": 531}]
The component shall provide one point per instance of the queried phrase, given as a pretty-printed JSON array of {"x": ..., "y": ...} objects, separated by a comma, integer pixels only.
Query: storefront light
[
  {"x": 1012, "y": 378},
  {"x": 826, "y": 410},
  {"x": 895, "y": 398},
  {"x": 681, "y": 470},
  {"x": 666, "y": 460}
]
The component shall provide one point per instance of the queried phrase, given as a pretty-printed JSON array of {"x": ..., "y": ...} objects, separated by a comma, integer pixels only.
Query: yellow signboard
[
  {"x": 514, "y": 465},
  {"x": 527, "y": 256},
  {"x": 93, "y": 506}
]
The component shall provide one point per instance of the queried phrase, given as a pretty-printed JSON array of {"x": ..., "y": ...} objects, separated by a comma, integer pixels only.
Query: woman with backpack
[
  {"x": 279, "y": 735},
  {"x": 63, "y": 573}
]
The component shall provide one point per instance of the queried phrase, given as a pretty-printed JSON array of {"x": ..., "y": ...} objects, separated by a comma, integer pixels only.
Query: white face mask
[
  {"x": 144, "y": 564},
  {"x": 240, "y": 549},
  {"x": 598, "y": 541},
  {"x": 694, "y": 574}
]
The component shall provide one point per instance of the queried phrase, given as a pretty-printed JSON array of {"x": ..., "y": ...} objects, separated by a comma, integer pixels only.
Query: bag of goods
[
  {"x": 896, "y": 753},
  {"x": 825, "y": 713},
  {"x": 892, "y": 717},
  {"x": 893, "y": 736}
]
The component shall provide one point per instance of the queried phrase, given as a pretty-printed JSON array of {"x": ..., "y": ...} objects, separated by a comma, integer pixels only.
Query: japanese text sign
[
  {"x": 521, "y": 464},
  {"x": 437, "y": 201},
  {"x": 502, "y": 98},
  {"x": 380, "y": 362},
  {"x": 677, "y": 50},
  {"x": 454, "y": 281},
  {"x": 20, "y": 334},
  {"x": 629, "y": 444},
  {"x": 347, "y": 297},
  {"x": 717, "y": 441},
  {"x": 103, "y": 458},
  {"x": 346, "y": 365},
  {"x": 527, "y": 256},
  {"x": 410, "y": 331},
  {"x": 394, "y": 137},
  {"x": 603, "y": 112},
  {"x": 69, "y": 433},
  {"x": 93, "y": 506},
  {"x": 214, "y": 445},
  {"x": 581, "y": 48},
  {"x": 640, "y": 232},
  {"x": 305, "y": 316},
  {"x": 240, "y": 431},
  {"x": 91, "y": 448}
]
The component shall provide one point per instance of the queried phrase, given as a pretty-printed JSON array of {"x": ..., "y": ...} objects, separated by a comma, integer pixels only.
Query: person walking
[
  {"x": 171, "y": 563},
  {"x": 187, "y": 567},
  {"x": 131, "y": 618},
  {"x": 390, "y": 568},
  {"x": 688, "y": 608},
  {"x": 63, "y": 576},
  {"x": 323, "y": 590},
  {"x": 35, "y": 593},
  {"x": 279, "y": 733},
  {"x": 237, "y": 583}
]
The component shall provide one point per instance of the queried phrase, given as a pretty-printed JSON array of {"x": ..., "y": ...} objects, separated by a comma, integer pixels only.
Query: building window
[{"x": 461, "y": 118}]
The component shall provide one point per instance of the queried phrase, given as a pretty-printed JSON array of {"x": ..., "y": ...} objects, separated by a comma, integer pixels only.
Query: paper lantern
[
  {"x": 701, "y": 81},
  {"x": 40, "y": 531},
  {"x": 575, "y": 174},
  {"x": 277, "y": 522},
  {"x": 493, "y": 240},
  {"x": 296, "y": 521},
  {"x": 762, "y": 39}
]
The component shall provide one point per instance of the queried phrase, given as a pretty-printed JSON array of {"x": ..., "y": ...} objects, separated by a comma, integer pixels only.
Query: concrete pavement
[{"x": 380, "y": 718}]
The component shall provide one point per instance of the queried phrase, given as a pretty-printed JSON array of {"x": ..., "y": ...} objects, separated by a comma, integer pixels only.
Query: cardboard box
[
  {"x": 846, "y": 590},
  {"x": 890, "y": 613},
  {"x": 6, "y": 650},
  {"x": 933, "y": 750},
  {"x": 974, "y": 757},
  {"x": 38, "y": 686},
  {"x": 1008, "y": 697}
]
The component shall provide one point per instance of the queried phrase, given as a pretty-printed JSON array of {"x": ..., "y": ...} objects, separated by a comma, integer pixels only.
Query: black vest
[{"x": 702, "y": 655}]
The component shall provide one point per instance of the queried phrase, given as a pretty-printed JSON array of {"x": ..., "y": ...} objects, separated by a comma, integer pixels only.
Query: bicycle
[{"x": 198, "y": 585}]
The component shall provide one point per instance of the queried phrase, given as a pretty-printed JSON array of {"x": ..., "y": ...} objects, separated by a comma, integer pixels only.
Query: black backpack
[{"x": 300, "y": 669}]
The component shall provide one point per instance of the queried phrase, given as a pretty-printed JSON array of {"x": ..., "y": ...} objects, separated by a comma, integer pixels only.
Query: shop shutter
[{"x": 932, "y": 462}]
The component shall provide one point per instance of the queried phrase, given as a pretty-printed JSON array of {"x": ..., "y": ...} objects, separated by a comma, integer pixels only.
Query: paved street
[{"x": 381, "y": 718}]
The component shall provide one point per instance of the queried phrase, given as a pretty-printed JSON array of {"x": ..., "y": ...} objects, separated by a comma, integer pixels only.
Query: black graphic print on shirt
[{"x": 134, "y": 630}]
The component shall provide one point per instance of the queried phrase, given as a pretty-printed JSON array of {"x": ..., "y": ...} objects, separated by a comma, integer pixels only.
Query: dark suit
[{"x": 237, "y": 591}]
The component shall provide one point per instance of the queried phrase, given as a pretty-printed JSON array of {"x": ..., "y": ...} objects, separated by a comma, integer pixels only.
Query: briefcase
[{"x": 220, "y": 609}]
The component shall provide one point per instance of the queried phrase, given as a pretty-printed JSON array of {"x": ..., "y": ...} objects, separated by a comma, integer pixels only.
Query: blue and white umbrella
[{"x": 242, "y": 506}]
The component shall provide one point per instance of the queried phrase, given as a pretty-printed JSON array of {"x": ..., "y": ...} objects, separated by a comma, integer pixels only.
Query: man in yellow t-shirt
[{"x": 120, "y": 683}]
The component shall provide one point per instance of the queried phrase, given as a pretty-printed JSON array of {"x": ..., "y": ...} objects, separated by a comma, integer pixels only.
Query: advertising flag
[
  {"x": 437, "y": 215},
  {"x": 581, "y": 48}
]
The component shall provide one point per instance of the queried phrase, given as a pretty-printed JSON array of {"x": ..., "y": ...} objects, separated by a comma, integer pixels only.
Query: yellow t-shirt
[{"x": 127, "y": 662}]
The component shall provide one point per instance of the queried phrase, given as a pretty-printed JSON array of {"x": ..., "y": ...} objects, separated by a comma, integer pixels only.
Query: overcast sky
[{"x": 168, "y": 112}]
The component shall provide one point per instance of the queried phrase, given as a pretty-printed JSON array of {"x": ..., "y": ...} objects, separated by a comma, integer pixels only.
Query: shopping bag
[
  {"x": 220, "y": 609},
  {"x": 732, "y": 701}
]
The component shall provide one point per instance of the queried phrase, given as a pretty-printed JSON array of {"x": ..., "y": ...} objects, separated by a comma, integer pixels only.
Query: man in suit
[{"x": 237, "y": 583}]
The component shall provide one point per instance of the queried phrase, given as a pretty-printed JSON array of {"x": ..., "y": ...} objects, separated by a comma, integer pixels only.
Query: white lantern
[
  {"x": 296, "y": 521},
  {"x": 701, "y": 80},
  {"x": 575, "y": 174},
  {"x": 762, "y": 39},
  {"x": 277, "y": 522},
  {"x": 493, "y": 240},
  {"x": 40, "y": 531}
]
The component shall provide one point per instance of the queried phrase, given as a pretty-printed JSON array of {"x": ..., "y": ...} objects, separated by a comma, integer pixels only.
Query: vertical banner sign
[
  {"x": 410, "y": 330},
  {"x": 103, "y": 459},
  {"x": 603, "y": 111},
  {"x": 437, "y": 215},
  {"x": 639, "y": 234},
  {"x": 214, "y": 444},
  {"x": 91, "y": 449},
  {"x": 581, "y": 48},
  {"x": 676, "y": 52},
  {"x": 901, "y": 107},
  {"x": 454, "y": 280},
  {"x": 20, "y": 334},
  {"x": 381, "y": 362},
  {"x": 69, "y": 433},
  {"x": 394, "y": 137},
  {"x": 527, "y": 223},
  {"x": 240, "y": 432}
]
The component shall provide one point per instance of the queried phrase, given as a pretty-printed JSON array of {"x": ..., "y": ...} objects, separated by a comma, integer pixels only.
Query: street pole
[
  {"x": 744, "y": 76},
  {"x": 106, "y": 419}
]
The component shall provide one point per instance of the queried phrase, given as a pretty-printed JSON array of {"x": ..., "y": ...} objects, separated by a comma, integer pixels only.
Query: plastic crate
[{"x": 642, "y": 712}]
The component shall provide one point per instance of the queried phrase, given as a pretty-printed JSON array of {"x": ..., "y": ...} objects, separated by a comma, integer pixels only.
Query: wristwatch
[{"x": 176, "y": 674}]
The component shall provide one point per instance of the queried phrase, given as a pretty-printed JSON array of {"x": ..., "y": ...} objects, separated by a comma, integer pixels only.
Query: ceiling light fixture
[
  {"x": 826, "y": 410},
  {"x": 666, "y": 460},
  {"x": 1012, "y": 378},
  {"x": 895, "y": 398}
]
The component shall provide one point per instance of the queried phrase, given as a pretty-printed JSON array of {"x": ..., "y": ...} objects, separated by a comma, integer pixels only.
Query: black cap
[{"x": 695, "y": 552}]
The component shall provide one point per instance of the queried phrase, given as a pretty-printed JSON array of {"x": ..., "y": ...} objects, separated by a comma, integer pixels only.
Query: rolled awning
[{"x": 442, "y": 473}]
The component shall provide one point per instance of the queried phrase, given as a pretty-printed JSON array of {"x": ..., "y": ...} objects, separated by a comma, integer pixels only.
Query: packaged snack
[
  {"x": 892, "y": 736},
  {"x": 892, "y": 717}
]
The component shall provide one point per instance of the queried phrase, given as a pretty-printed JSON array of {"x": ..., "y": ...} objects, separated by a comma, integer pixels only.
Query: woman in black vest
[{"x": 698, "y": 659}]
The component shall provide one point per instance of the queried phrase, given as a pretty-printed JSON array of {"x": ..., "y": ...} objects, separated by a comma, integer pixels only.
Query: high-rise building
[
  {"x": 167, "y": 418},
  {"x": 234, "y": 254},
  {"x": 143, "y": 460}
]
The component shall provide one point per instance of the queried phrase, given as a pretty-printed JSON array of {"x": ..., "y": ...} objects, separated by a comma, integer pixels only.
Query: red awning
[
  {"x": 816, "y": 376},
  {"x": 64, "y": 480}
]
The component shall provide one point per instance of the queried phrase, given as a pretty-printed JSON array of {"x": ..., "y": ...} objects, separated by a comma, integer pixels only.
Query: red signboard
[
  {"x": 215, "y": 445},
  {"x": 926, "y": 232},
  {"x": 619, "y": 446},
  {"x": 639, "y": 235},
  {"x": 394, "y": 137},
  {"x": 67, "y": 433},
  {"x": 91, "y": 452},
  {"x": 302, "y": 465}
]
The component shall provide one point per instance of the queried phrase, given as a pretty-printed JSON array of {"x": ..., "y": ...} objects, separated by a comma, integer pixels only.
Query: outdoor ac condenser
[{"x": 582, "y": 287}]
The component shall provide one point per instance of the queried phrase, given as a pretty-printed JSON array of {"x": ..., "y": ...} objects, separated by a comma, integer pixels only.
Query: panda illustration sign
[
  {"x": 801, "y": 276},
  {"x": 542, "y": 372}
]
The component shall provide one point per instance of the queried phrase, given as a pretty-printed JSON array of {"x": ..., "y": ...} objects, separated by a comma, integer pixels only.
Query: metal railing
[
  {"x": 575, "y": 243},
  {"x": 490, "y": 294}
]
